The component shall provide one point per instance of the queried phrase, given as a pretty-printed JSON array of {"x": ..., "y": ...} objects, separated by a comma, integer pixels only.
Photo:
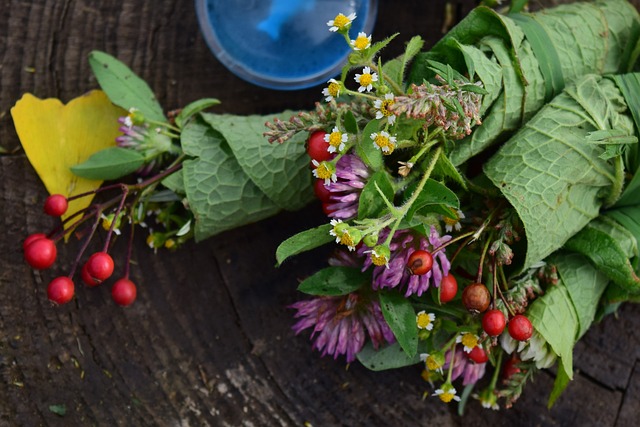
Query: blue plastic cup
[{"x": 282, "y": 44}]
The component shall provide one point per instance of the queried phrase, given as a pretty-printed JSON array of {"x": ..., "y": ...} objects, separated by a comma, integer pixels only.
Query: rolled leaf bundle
[
  {"x": 524, "y": 60},
  {"x": 564, "y": 172}
]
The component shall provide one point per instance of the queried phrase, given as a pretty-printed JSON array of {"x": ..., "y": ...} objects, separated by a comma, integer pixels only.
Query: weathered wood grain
[{"x": 208, "y": 342}]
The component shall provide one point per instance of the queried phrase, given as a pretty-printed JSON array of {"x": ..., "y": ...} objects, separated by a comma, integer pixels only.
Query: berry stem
[
  {"x": 85, "y": 245},
  {"x": 125, "y": 193},
  {"x": 481, "y": 263},
  {"x": 455, "y": 239},
  {"x": 127, "y": 264},
  {"x": 495, "y": 281},
  {"x": 504, "y": 300}
]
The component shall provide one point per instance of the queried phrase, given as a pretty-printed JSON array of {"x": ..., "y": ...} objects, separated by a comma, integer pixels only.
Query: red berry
[
  {"x": 86, "y": 277},
  {"x": 448, "y": 288},
  {"x": 520, "y": 328},
  {"x": 100, "y": 266},
  {"x": 510, "y": 368},
  {"x": 56, "y": 205},
  {"x": 493, "y": 322},
  {"x": 32, "y": 238},
  {"x": 317, "y": 147},
  {"x": 321, "y": 191},
  {"x": 478, "y": 355},
  {"x": 41, "y": 253},
  {"x": 476, "y": 297},
  {"x": 123, "y": 292},
  {"x": 60, "y": 290},
  {"x": 420, "y": 262}
]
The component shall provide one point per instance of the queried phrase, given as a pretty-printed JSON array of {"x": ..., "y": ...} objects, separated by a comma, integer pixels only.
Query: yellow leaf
[{"x": 57, "y": 136}]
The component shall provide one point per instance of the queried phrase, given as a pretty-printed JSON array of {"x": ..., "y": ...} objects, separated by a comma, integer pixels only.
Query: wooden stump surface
[{"x": 208, "y": 342}]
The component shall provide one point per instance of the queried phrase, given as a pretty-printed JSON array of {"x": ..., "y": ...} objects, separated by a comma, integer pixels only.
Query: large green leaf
[
  {"x": 221, "y": 196},
  {"x": 281, "y": 171},
  {"x": 588, "y": 38},
  {"x": 551, "y": 173}
]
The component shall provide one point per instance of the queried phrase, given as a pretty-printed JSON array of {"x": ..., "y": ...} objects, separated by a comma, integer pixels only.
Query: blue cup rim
[{"x": 266, "y": 81}]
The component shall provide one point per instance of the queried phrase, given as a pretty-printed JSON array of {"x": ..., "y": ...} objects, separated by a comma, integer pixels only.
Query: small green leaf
[
  {"x": 584, "y": 284},
  {"x": 123, "y": 87},
  {"x": 371, "y": 203},
  {"x": 445, "y": 168},
  {"x": 474, "y": 88},
  {"x": 60, "y": 410},
  {"x": 365, "y": 148},
  {"x": 194, "y": 108},
  {"x": 110, "y": 163},
  {"x": 304, "y": 241},
  {"x": 561, "y": 382},
  {"x": 388, "y": 357},
  {"x": 334, "y": 281},
  {"x": 350, "y": 123},
  {"x": 434, "y": 193},
  {"x": 376, "y": 47},
  {"x": 554, "y": 317},
  {"x": 399, "y": 314}
]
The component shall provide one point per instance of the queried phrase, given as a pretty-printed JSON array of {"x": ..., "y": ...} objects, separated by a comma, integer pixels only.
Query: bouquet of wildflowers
[
  {"x": 482, "y": 196},
  {"x": 483, "y": 269}
]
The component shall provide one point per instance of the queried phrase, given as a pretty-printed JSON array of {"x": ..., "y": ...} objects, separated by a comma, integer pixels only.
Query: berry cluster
[{"x": 40, "y": 253}]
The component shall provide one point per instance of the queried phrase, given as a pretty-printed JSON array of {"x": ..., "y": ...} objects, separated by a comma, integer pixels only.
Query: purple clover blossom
[
  {"x": 339, "y": 324},
  {"x": 470, "y": 371},
  {"x": 152, "y": 143},
  {"x": 396, "y": 274},
  {"x": 352, "y": 175}
]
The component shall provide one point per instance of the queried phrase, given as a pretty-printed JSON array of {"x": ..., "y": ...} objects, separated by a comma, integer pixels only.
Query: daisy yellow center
[
  {"x": 323, "y": 172},
  {"x": 450, "y": 221},
  {"x": 384, "y": 142},
  {"x": 366, "y": 79},
  {"x": 106, "y": 223},
  {"x": 469, "y": 340},
  {"x": 346, "y": 239},
  {"x": 432, "y": 363},
  {"x": 385, "y": 107},
  {"x": 335, "y": 139},
  {"x": 447, "y": 397},
  {"x": 361, "y": 42},
  {"x": 423, "y": 320},
  {"x": 341, "y": 21},
  {"x": 378, "y": 260},
  {"x": 334, "y": 89}
]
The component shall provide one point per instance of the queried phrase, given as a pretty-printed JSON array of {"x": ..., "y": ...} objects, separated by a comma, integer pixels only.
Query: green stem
[
  {"x": 496, "y": 372},
  {"x": 423, "y": 181},
  {"x": 481, "y": 264}
]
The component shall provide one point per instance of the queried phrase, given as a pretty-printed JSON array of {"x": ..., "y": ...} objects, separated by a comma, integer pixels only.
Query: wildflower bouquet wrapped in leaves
[{"x": 483, "y": 195}]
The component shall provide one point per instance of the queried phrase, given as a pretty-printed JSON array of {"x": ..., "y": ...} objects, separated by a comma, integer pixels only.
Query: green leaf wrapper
[
  {"x": 588, "y": 38},
  {"x": 235, "y": 177},
  {"x": 552, "y": 174}
]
